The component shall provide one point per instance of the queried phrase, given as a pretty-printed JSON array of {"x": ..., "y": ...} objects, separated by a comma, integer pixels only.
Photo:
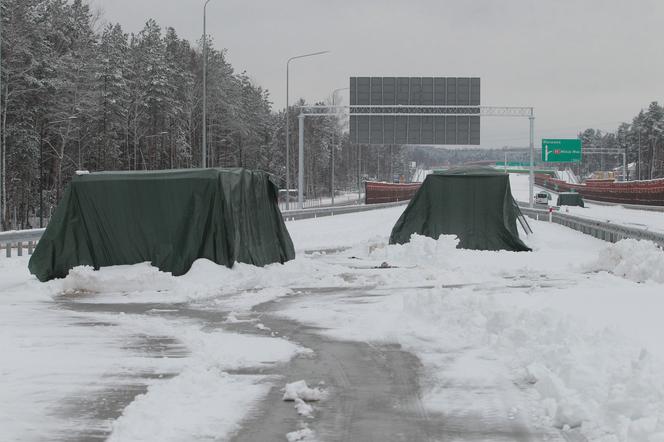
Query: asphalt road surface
[{"x": 374, "y": 390}]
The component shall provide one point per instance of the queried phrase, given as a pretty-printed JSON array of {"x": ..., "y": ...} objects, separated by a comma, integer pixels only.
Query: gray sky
[{"x": 583, "y": 63}]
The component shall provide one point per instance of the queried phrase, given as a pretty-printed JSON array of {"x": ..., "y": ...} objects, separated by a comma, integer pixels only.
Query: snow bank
[
  {"x": 239, "y": 288},
  {"x": 421, "y": 250},
  {"x": 638, "y": 261},
  {"x": 125, "y": 278},
  {"x": 591, "y": 379},
  {"x": 201, "y": 403},
  {"x": 13, "y": 272}
]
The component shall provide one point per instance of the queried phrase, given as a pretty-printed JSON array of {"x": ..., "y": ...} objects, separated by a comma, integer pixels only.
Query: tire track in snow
[{"x": 373, "y": 389}]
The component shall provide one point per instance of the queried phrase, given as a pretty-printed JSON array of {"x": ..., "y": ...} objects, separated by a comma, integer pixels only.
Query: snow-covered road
[{"x": 561, "y": 342}]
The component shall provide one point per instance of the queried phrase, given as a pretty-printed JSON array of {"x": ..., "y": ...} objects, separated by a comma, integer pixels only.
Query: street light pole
[
  {"x": 288, "y": 122},
  {"x": 204, "y": 138},
  {"x": 3, "y": 194},
  {"x": 531, "y": 183},
  {"x": 359, "y": 174},
  {"x": 41, "y": 183},
  {"x": 639, "y": 154},
  {"x": 300, "y": 160},
  {"x": 654, "y": 152},
  {"x": 334, "y": 96}
]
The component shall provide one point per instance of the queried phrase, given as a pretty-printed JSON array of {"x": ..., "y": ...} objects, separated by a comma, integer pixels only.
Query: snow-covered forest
[
  {"x": 81, "y": 94},
  {"x": 77, "y": 93},
  {"x": 643, "y": 139}
]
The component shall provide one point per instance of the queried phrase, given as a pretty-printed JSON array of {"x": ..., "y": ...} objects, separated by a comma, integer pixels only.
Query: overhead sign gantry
[
  {"x": 440, "y": 111},
  {"x": 415, "y": 110}
]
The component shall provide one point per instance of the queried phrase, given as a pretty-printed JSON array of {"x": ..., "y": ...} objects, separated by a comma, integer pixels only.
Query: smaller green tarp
[
  {"x": 475, "y": 204},
  {"x": 169, "y": 218},
  {"x": 569, "y": 199}
]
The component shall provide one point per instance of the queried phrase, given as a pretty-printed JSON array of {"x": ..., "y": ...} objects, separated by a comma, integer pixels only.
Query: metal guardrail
[
  {"x": 292, "y": 215},
  {"x": 606, "y": 231},
  {"x": 19, "y": 240},
  {"x": 627, "y": 206},
  {"x": 315, "y": 203}
]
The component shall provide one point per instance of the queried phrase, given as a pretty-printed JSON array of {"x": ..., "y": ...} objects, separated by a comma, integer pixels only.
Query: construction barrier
[
  {"x": 377, "y": 193},
  {"x": 649, "y": 192}
]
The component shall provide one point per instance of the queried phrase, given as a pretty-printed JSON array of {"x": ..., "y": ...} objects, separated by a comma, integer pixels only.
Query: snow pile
[
  {"x": 303, "y": 435},
  {"x": 300, "y": 393},
  {"x": 247, "y": 285},
  {"x": 13, "y": 272},
  {"x": 188, "y": 407},
  {"x": 206, "y": 279},
  {"x": 421, "y": 250},
  {"x": 300, "y": 390},
  {"x": 638, "y": 261},
  {"x": 233, "y": 319},
  {"x": 303, "y": 409},
  {"x": 594, "y": 381},
  {"x": 124, "y": 278}
]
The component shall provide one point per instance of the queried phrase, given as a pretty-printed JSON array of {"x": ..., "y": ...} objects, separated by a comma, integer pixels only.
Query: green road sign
[{"x": 561, "y": 151}]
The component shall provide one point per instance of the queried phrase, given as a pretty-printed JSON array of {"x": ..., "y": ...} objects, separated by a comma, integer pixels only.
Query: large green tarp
[
  {"x": 169, "y": 218},
  {"x": 569, "y": 199},
  {"x": 475, "y": 204}
]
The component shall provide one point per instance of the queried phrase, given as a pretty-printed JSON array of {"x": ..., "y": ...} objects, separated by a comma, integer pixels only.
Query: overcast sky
[{"x": 580, "y": 63}]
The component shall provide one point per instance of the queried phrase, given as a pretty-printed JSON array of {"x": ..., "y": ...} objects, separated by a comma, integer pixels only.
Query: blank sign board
[{"x": 415, "y": 110}]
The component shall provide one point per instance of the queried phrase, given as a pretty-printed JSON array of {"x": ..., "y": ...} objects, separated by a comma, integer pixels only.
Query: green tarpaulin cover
[
  {"x": 569, "y": 199},
  {"x": 475, "y": 204},
  {"x": 169, "y": 218}
]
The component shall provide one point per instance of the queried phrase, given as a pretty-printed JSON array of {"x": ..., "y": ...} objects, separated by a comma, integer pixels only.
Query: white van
[{"x": 542, "y": 198}]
